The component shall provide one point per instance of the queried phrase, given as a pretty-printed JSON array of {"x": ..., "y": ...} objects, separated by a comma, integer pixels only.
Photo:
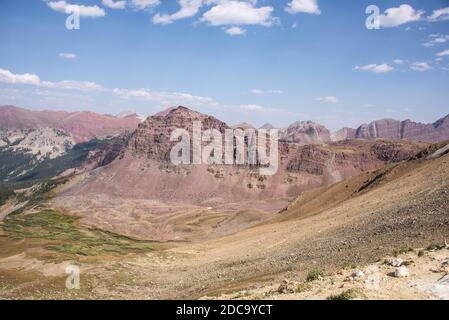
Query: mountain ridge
[{"x": 83, "y": 125}]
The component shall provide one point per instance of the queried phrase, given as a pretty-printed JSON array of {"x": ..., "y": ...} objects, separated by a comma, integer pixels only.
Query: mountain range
[
  {"x": 161, "y": 230},
  {"x": 33, "y": 137},
  {"x": 82, "y": 126}
]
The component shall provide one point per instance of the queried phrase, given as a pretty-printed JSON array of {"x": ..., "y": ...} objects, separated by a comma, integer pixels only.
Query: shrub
[
  {"x": 350, "y": 294},
  {"x": 315, "y": 275}
]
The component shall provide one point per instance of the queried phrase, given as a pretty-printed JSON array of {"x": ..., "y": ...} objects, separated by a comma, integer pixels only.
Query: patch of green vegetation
[
  {"x": 315, "y": 275},
  {"x": 401, "y": 250},
  {"x": 64, "y": 235},
  {"x": 303, "y": 287},
  {"x": 350, "y": 294},
  {"x": 421, "y": 253},
  {"x": 242, "y": 294},
  {"x": 347, "y": 265}
]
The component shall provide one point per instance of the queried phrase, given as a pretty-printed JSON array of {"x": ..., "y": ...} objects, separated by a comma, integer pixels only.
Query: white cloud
[
  {"x": 307, "y": 6},
  {"x": 189, "y": 8},
  {"x": 84, "y": 11},
  {"x": 144, "y": 4},
  {"x": 253, "y": 107},
  {"x": 436, "y": 39},
  {"x": 259, "y": 92},
  {"x": 114, "y": 4},
  {"x": 235, "y": 31},
  {"x": 443, "y": 53},
  {"x": 439, "y": 15},
  {"x": 165, "y": 98},
  {"x": 398, "y": 61},
  {"x": 55, "y": 89},
  {"x": 420, "y": 66},
  {"x": 394, "y": 17},
  {"x": 239, "y": 13},
  {"x": 376, "y": 68},
  {"x": 7, "y": 76},
  {"x": 73, "y": 85},
  {"x": 329, "y": 99},
  {"x": 68, "y": 55}
]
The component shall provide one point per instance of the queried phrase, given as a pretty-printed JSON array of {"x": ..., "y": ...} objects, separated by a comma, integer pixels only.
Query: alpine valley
[{"x": 100, "y": 191}]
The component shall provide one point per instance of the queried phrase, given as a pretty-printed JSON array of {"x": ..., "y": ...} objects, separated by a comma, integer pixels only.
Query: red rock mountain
[
  {"x": 306, "y": 132},
  {"x": 344, "y": 134},
  {"x": 83, "y": 125},
  {"x": 409, "y": 130},
  {"x": 143, "y": 169}
]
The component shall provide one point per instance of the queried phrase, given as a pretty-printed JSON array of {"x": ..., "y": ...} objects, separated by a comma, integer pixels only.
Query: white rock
[
  {"x": 395, "y": 262},
  {"x": 356, "y": 274},
  {"x": 401, "y": 272}
]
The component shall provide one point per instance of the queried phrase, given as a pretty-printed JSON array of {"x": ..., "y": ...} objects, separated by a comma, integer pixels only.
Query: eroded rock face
[
  {"x": 152, "y": 137},
  {"x": 344, "y": 134},
  {"x": 409, "y": 130},
  {"x": 305, "y": 132}
]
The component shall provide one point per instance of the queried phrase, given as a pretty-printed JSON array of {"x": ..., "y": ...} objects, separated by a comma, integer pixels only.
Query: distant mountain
[
  {"x": 305, "y": 132},
  {"x": 83, "y": 126},
  {"x": 35, "y": 154},
  {"x": 41, "y": 144},
  {"x": 130, "y": 114},
  {"x": 267, "y": 126},
  {"x": 395, "y": 129},
  {"x": 243, "y": 126},
  {"x": 343, "y": 134}
]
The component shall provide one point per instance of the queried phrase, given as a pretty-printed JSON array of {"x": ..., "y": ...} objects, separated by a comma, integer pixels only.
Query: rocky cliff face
[
  {"x": 344, "y": 134},
  {"x": 305, "y": 132},
  {"x": 83, "y": 126},
  {"x": 409, "y": 130},
  {"x": 152, "y": 137}
]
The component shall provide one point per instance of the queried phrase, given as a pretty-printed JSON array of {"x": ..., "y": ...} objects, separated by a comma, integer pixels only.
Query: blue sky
[{"x": 261, "y": 61}]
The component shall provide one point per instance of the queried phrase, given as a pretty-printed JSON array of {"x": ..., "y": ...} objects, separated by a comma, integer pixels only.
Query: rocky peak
[
  {"x": 306, "y": 132},
  {"x": 443, "y": 122},
  {"x": 152, "y": 137},
  {"x": 267, "y": 126}
]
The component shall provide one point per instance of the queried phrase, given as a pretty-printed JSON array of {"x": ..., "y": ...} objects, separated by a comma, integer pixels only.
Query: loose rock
[{"x": 401, "y": 272}]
